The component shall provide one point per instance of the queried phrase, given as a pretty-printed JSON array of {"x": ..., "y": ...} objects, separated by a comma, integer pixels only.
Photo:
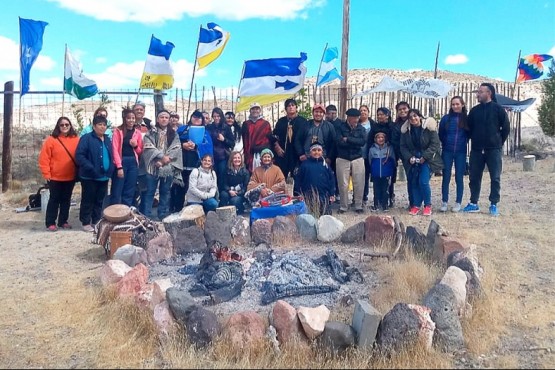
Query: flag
[
  {"x": 30, "y": 40},
  {"x": 530, "y": 67},
  {"x": 75, "y": 82},
  {"x": 327, "y": 71},
  {"x": 423, "y": 88},
  {"x": 266, "y": 81},
  {"x": 211, "y": 43},
  {"x": 158, "y": 72}
]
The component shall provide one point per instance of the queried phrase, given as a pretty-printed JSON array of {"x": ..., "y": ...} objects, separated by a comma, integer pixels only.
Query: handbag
[{"x": 72, "y": 159}]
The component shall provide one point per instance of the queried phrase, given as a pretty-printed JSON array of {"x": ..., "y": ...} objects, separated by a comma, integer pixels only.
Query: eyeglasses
[{"x": 64, "y": 125}]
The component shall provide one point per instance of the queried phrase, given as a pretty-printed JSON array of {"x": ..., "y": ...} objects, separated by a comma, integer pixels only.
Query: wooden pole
[
  {"x": 319, "y": 68},
  {"x": 7, "y": 137},
  {"x": 516, "y": 74},
  {"x": 194, "y": 68},
  {"x": 433, "y": 102},
  {"x": 344, "y": 60}
]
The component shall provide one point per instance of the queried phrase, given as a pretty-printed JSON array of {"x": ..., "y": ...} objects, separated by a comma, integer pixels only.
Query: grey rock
[
  {"x": 131, "y": 255},
  {"x": 306, "y": 227},
  {"x": 202, "y": 327},
  {"x": 240, "y": 231},
  {"x": 366, "y": 320},
  {"x": 217, "y": 230},
  {"x": 354, "y": 234},
  {"x": 261, "y": 231},
  {"x": 190, "y": 240},
  {"x": 181, "y": 303},
  {"x": 284, "y": 229},
  {"x": 399, "y": 327},
  {"x": 329, "y": 228},
  {"x": 337, "y": 337},
  {"x": 416, "y": 239}
]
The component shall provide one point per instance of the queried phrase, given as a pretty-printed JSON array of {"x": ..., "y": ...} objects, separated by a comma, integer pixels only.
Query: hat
[
  {"x": 290, "y": 101},
  {"x": 318, "y": 106},
  {"x": 316, "y": 144},
  {"x": 266, "y": 151},
  {"x": 197, "y": 114},
  {"x": 254, "y": 105},
  {"x": 331, "y": 107},
  {"x": 352, "y": 112}
]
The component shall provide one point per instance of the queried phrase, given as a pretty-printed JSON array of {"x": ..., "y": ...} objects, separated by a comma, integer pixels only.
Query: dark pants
[
  {"x": 123, "y": 189},
  {"x": 381, "y": 196},
  {"x": 59, "y": 202},
  {"x": 220, "y": 169},
  {"x": 391, "y": 190},
  {"x": 237, "y": 201},
  {"x": 366, "y": 180},
  {"x": 333, "y": 168},
  {"x": 478, "y": 161},
  {"x": 459, "y": 159},
  {"x": 177, "y": 193},
  {"x": 92, "y": 196},
  {"x": 409, "y": 187}
]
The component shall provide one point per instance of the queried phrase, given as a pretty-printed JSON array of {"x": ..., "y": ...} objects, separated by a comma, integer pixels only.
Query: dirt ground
[{"x": 48, "y": 281}]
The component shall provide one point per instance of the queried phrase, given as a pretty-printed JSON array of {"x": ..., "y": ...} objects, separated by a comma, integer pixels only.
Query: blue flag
[
  {"x": 30, "y": 40},
  {"x": 328, "y": 72}
]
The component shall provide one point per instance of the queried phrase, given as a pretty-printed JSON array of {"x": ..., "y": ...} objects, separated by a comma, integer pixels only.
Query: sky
[{"x": 111, "y": 37}]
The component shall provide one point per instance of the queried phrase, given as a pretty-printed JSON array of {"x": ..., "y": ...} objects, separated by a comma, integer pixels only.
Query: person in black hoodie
[
  {"x": 402, "y": 108},
  {"x": 489, "y": 127},
  {"x": 223, "y": 142},
  {"x": 383, "y": 124}
]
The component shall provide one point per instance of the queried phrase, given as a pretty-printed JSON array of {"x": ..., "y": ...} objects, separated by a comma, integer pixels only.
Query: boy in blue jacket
[{"x": 382, "y": 166}]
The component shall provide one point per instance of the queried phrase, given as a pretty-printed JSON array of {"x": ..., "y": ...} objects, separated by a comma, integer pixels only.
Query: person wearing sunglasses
[{"x": 57, "y": 165}]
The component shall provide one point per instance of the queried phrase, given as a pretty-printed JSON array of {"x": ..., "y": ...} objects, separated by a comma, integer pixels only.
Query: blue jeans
[
  {"x": 460, "y": 166},
  {"x": 237, "y": 201},
  {"x": 147, "y": 196},
  {"x": 123, "y": 189},
  {"x": 208, "y": 205},
  {"x": 420, "y": 185}
]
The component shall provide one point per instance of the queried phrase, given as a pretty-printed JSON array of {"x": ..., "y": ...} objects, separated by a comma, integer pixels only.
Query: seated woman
[
  {"x": 203, "y": 185},
  {"x": 266, "y": 179},
  {"x": 235, "y": 181}
]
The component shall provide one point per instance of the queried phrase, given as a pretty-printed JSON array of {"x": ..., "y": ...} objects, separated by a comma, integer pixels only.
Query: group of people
[{"x": 216, "y": 161}]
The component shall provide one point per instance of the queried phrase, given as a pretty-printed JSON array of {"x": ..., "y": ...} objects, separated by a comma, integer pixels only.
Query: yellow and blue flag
[
  {"x": 211, "y": 43},
  {"x": 30, "y": 40},
  {"x": 158, "y": 72},
  {"x": 267, "y": 81}
]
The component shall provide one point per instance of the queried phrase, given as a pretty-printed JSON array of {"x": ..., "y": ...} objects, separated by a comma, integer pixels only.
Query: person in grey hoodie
[{"x": 203, "y": 185}]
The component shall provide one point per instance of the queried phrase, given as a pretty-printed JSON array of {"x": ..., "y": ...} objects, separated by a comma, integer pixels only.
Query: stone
[
  {"x": 261, "y": 231},
  {"x": 244, "y": 329},
  {"x": 379, "y": 229},
  {"x": 416, "y": 239},
  {"x": 159, "y": 288},
  {"x": 284, "y": 318},
  {"x": 163, "y": 317},
  {"x": 468, "y": 262},
  {"x": 434, "y": 232},
  {"x": 181, "y": 303},
  {"x": 217, "y": 230},
  {"x": 283, "y": 230},
  {"x": 329, "y": 229},
  {"x": 337, "y": 337},
  {"x": 306, "y": 227},
  {"x": 202, "y": 327},
  {"x": 190, "y": 240},
  {"x": 455, "y": 278},
  {"x": 445, "y": 245},
  {"x": 240, "y": 231},
  {"x": 159, "y": 248},
  {"x": 131, "y": 255},
  {"x": 448, "y": 335},
  {"x": 143, "y": 297},
  {"x": 133, "y": 282},
  {"x": 405, "y": 325},
  {"x": 313, "y": 319},
  {"x": 112, "y": 271},
  {"x": 365, "y": 322},
  {"x": 353, "y": 234}
]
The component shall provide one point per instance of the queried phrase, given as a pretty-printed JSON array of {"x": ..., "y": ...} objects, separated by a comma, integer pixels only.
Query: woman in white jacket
[{"x": 203, "y": 185}]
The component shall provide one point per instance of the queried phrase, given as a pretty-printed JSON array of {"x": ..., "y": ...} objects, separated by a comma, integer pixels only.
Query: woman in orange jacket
[{"x": 57, "y": 165}]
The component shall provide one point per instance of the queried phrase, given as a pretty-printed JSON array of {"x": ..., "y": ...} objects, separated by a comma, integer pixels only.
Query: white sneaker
[
  {"x": 456, "y": 207},
  {"x": 88, "y": 228},
  {"x": 443, "y": 207}
]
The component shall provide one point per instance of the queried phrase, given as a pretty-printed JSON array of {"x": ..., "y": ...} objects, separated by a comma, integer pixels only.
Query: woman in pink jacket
[{"x": 127, "y": 144}]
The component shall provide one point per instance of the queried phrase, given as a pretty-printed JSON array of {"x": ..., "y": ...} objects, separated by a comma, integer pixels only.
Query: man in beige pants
[{"x": 350, "y": 138}]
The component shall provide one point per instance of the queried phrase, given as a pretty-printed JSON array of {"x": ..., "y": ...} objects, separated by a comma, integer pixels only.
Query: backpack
[{"x": 35, "y": 199}]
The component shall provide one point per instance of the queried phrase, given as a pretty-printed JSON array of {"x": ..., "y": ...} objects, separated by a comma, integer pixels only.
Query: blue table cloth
[{"x": 270, "y": 212}]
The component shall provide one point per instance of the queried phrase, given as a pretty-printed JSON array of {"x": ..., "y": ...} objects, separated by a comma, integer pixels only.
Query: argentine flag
[
  {"x": 327, "y": 71},
  {"x": 211, "y": 43},
  {"x": 158, "y": 72},
  {"x": 75, "y": 82},
  {"x": 267, "y": 81}
]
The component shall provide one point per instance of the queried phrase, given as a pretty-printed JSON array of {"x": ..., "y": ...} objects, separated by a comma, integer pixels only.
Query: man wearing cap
[
  {"x": 255, "y": 132},
  {"x": 283, "y": 138},
  {"x": 267, "y": 174},
  {"x": 143, "y": 123},
  {"x": 317, "y": 130},
  {"x": 489, "y": 128},
  {"x": 350, "y": 139}
]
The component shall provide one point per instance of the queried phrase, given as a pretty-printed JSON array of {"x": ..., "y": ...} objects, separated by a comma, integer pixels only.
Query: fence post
[{"x": 7, "y": 137}]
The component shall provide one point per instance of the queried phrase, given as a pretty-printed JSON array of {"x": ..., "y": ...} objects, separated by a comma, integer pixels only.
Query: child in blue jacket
[{"x": 382, "y": 166}]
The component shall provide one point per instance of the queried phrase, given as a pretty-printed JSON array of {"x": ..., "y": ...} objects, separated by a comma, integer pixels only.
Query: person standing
[
  {"x": 94, "y": 156},
  {"x": 127, "y": 146},
  {"x": 144, "y": 124},
  {"x": 366, "y": 122},
  {"x": 383, "y": 124},
  {"x": 223, "y": 142},
  {"x": 255, "y": 132},
  {"x": 402, "y": 110},
  {"x": 350, "y": 140},
  {"x": 283, "y": 138},
  {"x": 235, "y": 129},
  {"x": 420, "y": 149},
  {"x": 383, "y": 164},
  {"x": 57, "y": 165},
  {"x": 100, "y": 111},
  {"x": 489, "y": 128},
  {"x": 331, "y": 117},
  {"x": 316, "y": 130},
  {"x": 453, "y": 134},
  {"x": 174, "y": 120}
]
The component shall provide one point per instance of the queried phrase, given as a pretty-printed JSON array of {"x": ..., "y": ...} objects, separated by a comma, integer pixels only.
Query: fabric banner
[
  {"x": 267, "y": 81},
  {"x": 30, "y": 40},
  {"x": 75, "y": 82},
  {"x": 530, "y": 67},
  {"x": 158, "y": 72},
  {"x": 424, "y": 88},
  {"x": 211, "y": 44},
  {"x": 512, "y": 105},
  {"x": 327, "y": 71}
]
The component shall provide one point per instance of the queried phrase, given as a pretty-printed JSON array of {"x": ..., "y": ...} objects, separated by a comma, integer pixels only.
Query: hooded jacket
[
  {"x": 429, "y": 144},
  {"x": 314, "y": 174},
  {"x": 488, "y": 126}
]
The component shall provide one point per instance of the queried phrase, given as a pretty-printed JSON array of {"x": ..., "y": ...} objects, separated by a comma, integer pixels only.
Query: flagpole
[
  {"x": 64, "y": 86},
  {"x": 318, "y": 75},
  {"x": 433, "y": 104},
  {"x": 144, "y": 69},
  {"x": 516, "y": 73},
  {"x": 239, "y": 88},
  {"x": 20, "y": 76},
  {"x": 193, "y": 76}
]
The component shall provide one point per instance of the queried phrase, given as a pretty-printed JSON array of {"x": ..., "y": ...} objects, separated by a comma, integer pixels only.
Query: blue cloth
[
  {"x": 452, "y": 137},
  {"x": 30, "y": 35},
  {"x": 270, "y": 212}
]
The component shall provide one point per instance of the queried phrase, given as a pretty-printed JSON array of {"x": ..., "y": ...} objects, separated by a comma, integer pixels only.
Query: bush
[{"x": 546, "y": 111}]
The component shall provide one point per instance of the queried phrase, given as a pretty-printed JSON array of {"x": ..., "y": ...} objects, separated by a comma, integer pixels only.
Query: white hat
[{"x": 253, "y": 105}]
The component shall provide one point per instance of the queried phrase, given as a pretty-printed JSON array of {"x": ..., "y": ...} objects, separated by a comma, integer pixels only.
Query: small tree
[
  {"x": 304, "y": 107},
  {"x": 546, "y": 111}
]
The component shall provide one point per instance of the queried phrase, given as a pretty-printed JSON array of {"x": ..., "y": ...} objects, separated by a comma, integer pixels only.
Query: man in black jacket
[{"x": 489, "y": 128}]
